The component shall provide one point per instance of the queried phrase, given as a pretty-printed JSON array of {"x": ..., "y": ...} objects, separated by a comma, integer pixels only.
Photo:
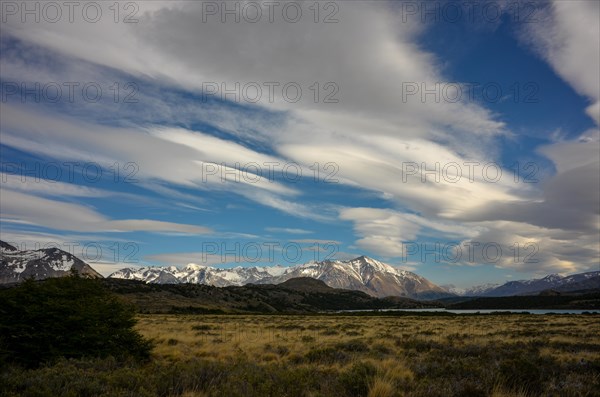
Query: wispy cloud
[
  {"x": 287, "y": 230},
  {"x": 60, "y": 215}
]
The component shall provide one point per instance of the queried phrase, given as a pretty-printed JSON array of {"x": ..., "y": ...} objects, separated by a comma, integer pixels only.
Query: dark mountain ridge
[{"x": 301, "y": 295}]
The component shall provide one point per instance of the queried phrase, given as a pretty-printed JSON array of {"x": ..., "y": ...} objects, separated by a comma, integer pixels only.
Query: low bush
[{"x": 71, "y": 317}]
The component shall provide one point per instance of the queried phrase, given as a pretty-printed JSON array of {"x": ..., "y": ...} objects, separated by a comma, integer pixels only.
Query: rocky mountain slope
[
  {"x": 552, "y": 281},
  {"x": 16, "y": 265},
  {"x": 574, "y": 282},
  {"x": 361, "y": 274}
]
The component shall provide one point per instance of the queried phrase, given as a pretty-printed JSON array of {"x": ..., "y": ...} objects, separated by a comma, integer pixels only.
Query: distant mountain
[
  {"x": 197, "y": 274},
  {"x": 552, "y": 281},
  {"x": 6, "y": 247},
  {"x": 361, "y": 274},
  {"x": 16, "y": 265},
  {"x": 367, "y": 275},
  {"x": 590, "y": 283},
  {"x": 545, "y": 300},
  {"x": 555, "y": 282},
  {"x": 472, "y": 291}
]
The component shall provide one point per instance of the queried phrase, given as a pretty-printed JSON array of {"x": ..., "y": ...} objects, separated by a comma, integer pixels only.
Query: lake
[{"x": 482, "y": 311}]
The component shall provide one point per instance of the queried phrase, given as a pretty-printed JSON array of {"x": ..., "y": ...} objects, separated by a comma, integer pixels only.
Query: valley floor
[{"x": 339, "y": 355}]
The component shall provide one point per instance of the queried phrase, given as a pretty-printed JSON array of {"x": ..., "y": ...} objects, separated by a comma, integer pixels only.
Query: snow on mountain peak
[
  {"x": 192, "y": 267},
  {"x": 40, "y": 264},
  {"x": 362, "y": 273},
  {"x": 7, "y": 247}
]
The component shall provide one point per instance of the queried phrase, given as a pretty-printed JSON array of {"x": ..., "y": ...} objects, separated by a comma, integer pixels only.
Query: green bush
[
  {"x": 69, "y": 317},
  {"x": 357, "y": 378},
  {"x": 354, "y": 345},
  {"x": 326, "y": 355}
]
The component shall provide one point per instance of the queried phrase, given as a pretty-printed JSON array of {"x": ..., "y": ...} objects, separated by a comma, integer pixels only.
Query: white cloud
[
  {"x": 381, "y": 231},
  {"x": 316, "y": 241},
  {"x": 397, "y": 167},
  {"x": 386, "y": 232},
  {"x": 369, "y": 134},
  {"x": 200, "y": 258},
  {"x": 48, "y": 186},
  {"x": 61, "y": 215},
  {"x": 368, "y": 55},
  {"x": 532, "y": 249},
  {"x": 287, "y": 230},
  {"x": 54, "y": 187},
  {"x": 568, "y": 37},
  {"x": 181, "y": 161},
  {"x": 31, "y": 240}
]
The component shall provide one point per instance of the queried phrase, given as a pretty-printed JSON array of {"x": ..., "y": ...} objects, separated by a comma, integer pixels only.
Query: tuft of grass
[
  {"x": 190, "y": 393},
  {"x": 202, "y": 327},
  {"x": 326, "y": 355},
  {"x": 498, "y": 391},
  {"x": 356, "y": 379},
  {"x": 353, "y": 345},
  {"x": 396, "y": 371},
  {"x": 381, "y": 387}
]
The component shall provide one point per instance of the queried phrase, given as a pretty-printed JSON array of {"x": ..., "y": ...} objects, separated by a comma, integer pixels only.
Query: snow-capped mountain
[
  {"x": 362, "y": 274},
  {"x": 472, "y": 291},
  {"x": 198, "y": 274},
  {"x": 552, "y": 281},
  {"x": 16, "y": 265},
  {"x": 587, "y": 280},
  {"x": 368, "y": 275}
]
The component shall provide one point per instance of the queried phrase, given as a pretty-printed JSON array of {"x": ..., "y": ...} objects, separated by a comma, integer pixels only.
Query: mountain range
[
  {"x": 557, "y": 282},
  {"x": 362, "y": 274}
]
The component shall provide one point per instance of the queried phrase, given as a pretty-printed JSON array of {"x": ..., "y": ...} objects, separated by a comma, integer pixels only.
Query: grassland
[{"x": 339, "y": 355}]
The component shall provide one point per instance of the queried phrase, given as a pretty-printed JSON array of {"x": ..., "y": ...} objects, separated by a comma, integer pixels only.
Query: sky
[{"x": 457, "y": 140}]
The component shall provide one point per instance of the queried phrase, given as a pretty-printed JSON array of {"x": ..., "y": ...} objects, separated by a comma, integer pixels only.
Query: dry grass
[
  {"x": 375, "y": 356},
  {"x": 220, "y": 337},
  {"x": 500, "y": 392},
  {"x": 381, "y": 387}
]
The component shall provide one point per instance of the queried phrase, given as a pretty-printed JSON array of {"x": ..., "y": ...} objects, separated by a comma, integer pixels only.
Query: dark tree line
[{"x": 70, "y": 317}]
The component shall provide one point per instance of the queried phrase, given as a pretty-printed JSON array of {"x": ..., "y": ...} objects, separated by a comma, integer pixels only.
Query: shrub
[
  {"x": 326, "y": 355},
  {"x": 357, "y": 378},
  {"x": 354, "y": 345},
  {"x": 522, "y": 372},
  {"x": 69, "y": 317},
  {"x": 202, "y": 327}
]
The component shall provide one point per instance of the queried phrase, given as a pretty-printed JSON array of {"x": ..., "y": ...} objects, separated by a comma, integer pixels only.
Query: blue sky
[{"x": 148, "y": 161}]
